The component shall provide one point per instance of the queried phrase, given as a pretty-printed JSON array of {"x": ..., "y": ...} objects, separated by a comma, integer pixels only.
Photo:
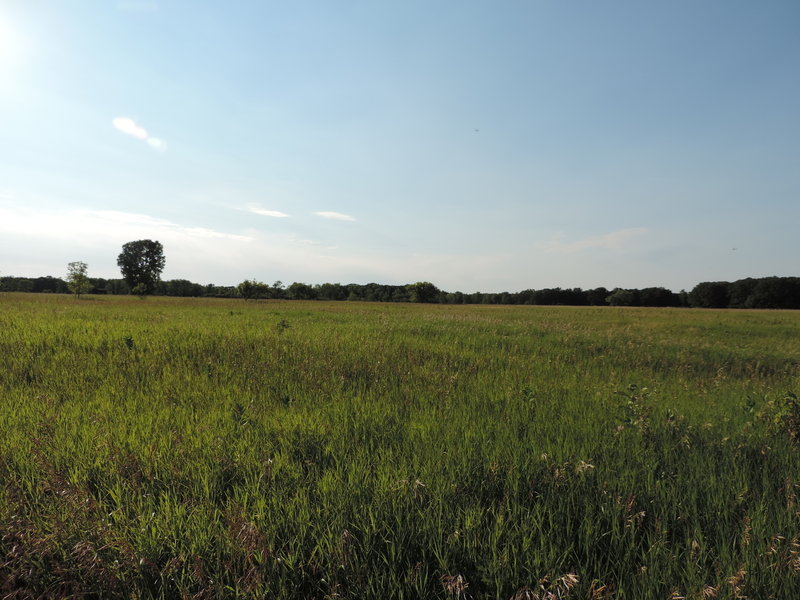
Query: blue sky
[{"x": 483, "y": 146}]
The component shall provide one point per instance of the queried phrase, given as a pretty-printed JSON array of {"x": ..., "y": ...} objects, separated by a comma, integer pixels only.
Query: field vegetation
[{"x": 200, "y": 448}]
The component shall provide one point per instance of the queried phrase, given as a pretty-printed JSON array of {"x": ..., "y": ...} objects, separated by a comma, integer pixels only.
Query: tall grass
[{"x": 181, "y": 448}]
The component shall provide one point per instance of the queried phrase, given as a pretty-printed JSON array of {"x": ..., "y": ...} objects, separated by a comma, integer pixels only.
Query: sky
[{"x": 482, "y": 146}]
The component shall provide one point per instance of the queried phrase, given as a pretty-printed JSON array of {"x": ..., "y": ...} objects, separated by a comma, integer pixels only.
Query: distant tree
[
  {"x": 372, "y": 292},
  {"x": 276, "y": 291},
  {"x": 658, "y": 296},
  {"x": 400, "y": 294},
  {"x": 245, "y": 289},
  {"x": 99, "y": 285},
  {"x": 597, "y": 296},
  {"x": 546, "y": 296},
  {"x": 141, "y": 263},
  {"x": 453, "y": 298},
  {"x": 354, "y": 292},
  {"x": 118, "y": 286},
  {"x": 250, "y": 289},
  {"x": 775, "y": 292},
  {"x": 300, "y": 291},
  {"x": 50, "y": 285},
  {"x": 524, "y": 297},
  {"x": 23, "y": 284},
  {"x": 182, "y": 287},
  {"x": 329, "y": 291},
  {"x": 710, "y": 294},
  {"x": 740, "y": 293},
  {"x": 574, "y": 297},
  {"x": 621, "y": 297},
  {"x": 423, "y": 291},
  {"x": 78, "y": 278}
]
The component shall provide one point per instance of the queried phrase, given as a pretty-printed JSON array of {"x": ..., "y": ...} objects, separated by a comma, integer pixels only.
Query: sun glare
[
  {"x": 11, "y": 44},
  {"x": 5, "y": 37}
]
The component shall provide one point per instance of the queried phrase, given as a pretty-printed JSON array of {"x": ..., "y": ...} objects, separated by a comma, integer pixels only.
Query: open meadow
[{"x": 193, "y": 448}]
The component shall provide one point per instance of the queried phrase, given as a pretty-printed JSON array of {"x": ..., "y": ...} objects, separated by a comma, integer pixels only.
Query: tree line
[
  {"x": 142, "y": 261},
  {"x": 765, "y": 292}
]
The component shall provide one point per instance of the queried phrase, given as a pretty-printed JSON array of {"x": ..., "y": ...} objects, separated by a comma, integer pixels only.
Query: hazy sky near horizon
[{"x": 479, "y": 145}]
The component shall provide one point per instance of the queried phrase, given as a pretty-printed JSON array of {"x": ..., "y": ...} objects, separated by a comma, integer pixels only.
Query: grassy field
[{"x": 182, "y": 448}]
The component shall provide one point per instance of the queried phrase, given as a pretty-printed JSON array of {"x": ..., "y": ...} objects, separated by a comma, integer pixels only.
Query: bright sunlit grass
[{"x": 184, "y": 447}]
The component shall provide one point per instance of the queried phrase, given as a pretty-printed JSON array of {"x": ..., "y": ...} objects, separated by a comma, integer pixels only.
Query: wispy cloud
[
  {"x": 615, "y": 240},
  {"x": 129, "y": 126},
  {"x": 315, "y": 243},
  {"x": 97, "y": 225},
  {"x": 55, "y": 235},
  {"x": 337, "y": 216},
  {"x": 157, "y": 143},
  {"x": 51, "y": 235},
  {"x": 256, "y": 209}
]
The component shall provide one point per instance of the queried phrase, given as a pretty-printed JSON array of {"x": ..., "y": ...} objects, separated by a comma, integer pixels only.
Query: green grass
[{"x": 187, "y": 448}]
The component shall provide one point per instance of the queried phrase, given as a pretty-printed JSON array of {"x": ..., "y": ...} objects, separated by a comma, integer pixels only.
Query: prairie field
[{"x": 197, "y": 448}]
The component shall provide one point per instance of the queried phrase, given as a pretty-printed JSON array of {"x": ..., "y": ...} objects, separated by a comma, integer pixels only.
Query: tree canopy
[
  {"x": 78, "y": 278},
  {"x": 141, "y": 263}
]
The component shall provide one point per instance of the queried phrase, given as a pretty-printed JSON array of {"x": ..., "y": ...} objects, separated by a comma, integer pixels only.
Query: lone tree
[
  {"x": 77, "y": 278},
  {"x": 141, "y": 263}
]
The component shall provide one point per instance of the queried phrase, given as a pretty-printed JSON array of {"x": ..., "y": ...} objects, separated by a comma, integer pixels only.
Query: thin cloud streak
[
  {"x": 256, "y": 209},
  {"x": 198, "y": 253},
  {"x": 97, "y": 225},
  {"x": 614, "y": 240},
  {"x": 336, "y": 216},
  {"x": 56, "y": 235}
]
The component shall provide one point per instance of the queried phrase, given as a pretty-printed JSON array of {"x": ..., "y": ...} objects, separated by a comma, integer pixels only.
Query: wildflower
[{"x": 455, "y": 585}]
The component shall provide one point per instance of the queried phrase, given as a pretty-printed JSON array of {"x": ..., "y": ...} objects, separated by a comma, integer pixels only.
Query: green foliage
[
  {"x": 141, "y": 263},
  {"x": 300, "y": 291},
  {"x": 637, "y": 408},
  {"x": 282, "y": 326},
  {"x": 620, "y": 297},
  {"x": 250, "y": 289},
  {"x": 182, "y": 287},
  {"x": 783, "y": 416},
  {"x": 197, "y": 448},
  {"x": 765, "y": 292},
  {"x": 423, "y": 291},
  {"x": 710, "y": 294},
  {"x": 78, "y": 278}
]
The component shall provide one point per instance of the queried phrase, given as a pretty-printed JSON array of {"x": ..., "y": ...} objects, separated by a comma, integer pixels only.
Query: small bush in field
[
  {"x": 636, "y": 406},
  {"x": 784, "y": 416}
]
